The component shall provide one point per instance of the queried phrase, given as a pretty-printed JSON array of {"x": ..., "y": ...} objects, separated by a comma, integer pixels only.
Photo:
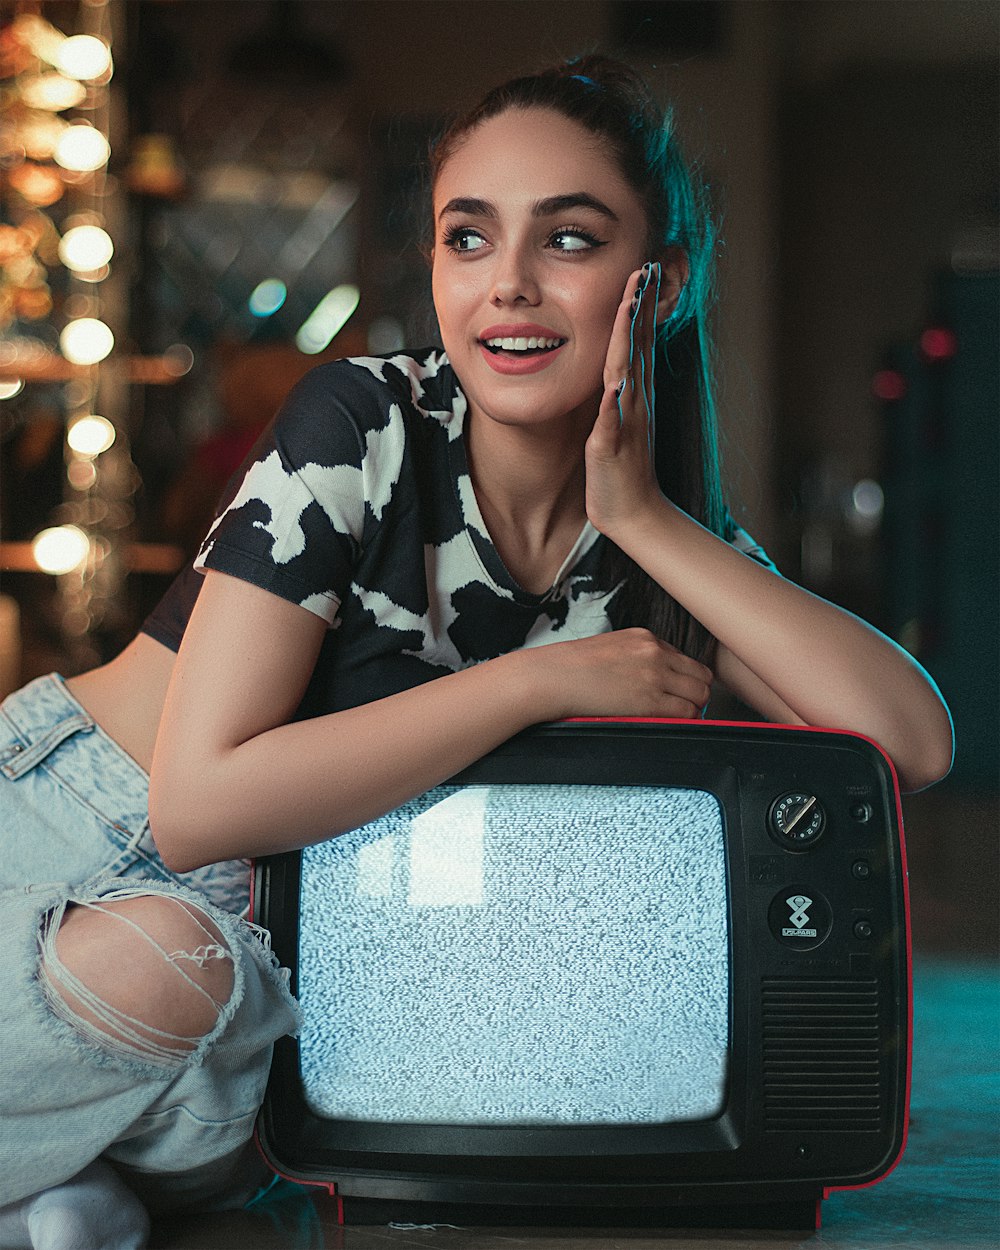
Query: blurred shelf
[
  {"x": 50, "y": 367},
  {"x": 163, "y": 558}
]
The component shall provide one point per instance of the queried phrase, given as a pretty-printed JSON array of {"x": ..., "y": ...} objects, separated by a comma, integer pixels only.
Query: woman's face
[{"x": 535, "y": 234}]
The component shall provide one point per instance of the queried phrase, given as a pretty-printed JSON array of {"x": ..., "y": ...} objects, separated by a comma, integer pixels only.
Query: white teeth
[{"x": 522, "y": 344}]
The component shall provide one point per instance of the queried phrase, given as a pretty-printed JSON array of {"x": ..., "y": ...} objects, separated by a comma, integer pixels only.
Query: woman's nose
[{"x": 514, "y": 280}]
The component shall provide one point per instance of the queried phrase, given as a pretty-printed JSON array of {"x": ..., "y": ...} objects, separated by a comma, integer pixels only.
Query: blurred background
[{"x": 204, "y": 198}]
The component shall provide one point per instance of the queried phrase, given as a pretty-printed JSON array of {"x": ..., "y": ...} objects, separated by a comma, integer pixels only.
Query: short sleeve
[
  {"x": 293, "y": 523},
  {"x": 749, "y": 546}
]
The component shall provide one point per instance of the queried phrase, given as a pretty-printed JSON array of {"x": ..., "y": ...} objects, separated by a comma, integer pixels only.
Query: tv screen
[
  {"x": 624, "y": 972},
  {"x": 474, "y": 945}
]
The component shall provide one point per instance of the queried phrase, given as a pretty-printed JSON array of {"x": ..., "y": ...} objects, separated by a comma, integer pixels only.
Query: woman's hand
[
  {"x": 629, "y": 672},
  {"x": 621, "y": 479}
]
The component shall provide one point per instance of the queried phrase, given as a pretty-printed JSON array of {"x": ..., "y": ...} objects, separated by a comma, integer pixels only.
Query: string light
[
  {"x": 65, "y": 163},
  {"x": 84, "y": 57},
  {"x": 61, "y": 549},
  {"x": 85, "y": 249},
  {"x": 82, "y": 149},
  {"x": 90, "y": 435},
  {"x": 86, "y": 341},
  {"x": 52, "y": 92}
]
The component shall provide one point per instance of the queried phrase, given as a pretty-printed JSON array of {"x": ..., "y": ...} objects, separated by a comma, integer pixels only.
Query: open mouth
[{"x": 522, "y": 346}]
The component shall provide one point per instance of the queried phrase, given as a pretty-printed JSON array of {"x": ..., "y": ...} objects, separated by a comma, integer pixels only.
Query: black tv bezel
[{"x": 600, "y": 1165}]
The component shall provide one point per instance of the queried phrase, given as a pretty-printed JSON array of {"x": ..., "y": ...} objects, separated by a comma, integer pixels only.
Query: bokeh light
[
  {"x": 90, "y": 435},
  {"x": 52, "y": 92},
  {"x": 86, "y": 341},
  {"x": 84, "y": 57},
  {"x": 889, "y": 385},
  {"x": 178, "y": 360},
  {"x": 81, "y": 474},
  {"x": 60, "y": 549},
  {"x": 267, "y": 297},
  {"x": 82, "y": 149},
  {"x": 868, "y": 498},
  {"x": 327, "y": 319},
  {"x": 938, "y": 343},
  {"x": 39, "y": 135},
  {"x": 85, "y": 248}
]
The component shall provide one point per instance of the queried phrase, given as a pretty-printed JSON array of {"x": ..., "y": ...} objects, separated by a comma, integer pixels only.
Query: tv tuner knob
[{"x": 796, "y": 819}]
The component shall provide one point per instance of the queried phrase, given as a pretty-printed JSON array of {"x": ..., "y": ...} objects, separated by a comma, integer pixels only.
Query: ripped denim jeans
[{"x": 83, "y": 1077}]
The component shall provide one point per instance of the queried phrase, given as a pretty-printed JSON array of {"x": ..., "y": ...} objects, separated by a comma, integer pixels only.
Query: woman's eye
[
  {"x": 573, "y": 241},
  {"x": 464, "y": 239}
]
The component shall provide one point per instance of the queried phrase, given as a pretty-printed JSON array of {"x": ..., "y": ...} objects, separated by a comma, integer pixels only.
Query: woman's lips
[
  {"x": 519, "y": 362},
  {"x": 521, "y": 348}
]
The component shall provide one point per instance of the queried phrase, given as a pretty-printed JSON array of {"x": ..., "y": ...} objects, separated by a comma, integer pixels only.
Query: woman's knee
[{"x": 147, "y": 974}]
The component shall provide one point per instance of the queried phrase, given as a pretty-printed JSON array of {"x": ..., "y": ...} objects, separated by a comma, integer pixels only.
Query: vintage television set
[{"x": 617, "y": 972}]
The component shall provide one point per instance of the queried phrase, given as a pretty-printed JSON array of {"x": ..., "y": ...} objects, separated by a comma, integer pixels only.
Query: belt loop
[{"x": 25, "y": 756}]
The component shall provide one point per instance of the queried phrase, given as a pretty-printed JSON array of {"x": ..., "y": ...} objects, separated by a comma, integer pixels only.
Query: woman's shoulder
[
  {"x": 333, "y": 414},
  {"x": 363, "y": 387},
  {"x": 351, "y": 426}
]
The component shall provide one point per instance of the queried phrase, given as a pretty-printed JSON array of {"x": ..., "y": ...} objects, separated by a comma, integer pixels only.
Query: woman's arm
[
  {"x": 232, "y": 777},
  {"x": 790, "y": 654},
  {"x": 784, "y": 650}
]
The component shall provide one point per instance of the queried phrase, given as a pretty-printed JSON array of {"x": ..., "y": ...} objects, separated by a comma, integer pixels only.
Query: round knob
[{"x": 797, "y": 819}]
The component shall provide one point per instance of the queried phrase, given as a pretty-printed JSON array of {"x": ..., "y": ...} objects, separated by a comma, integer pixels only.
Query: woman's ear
[{"x": 674, "y": 273}]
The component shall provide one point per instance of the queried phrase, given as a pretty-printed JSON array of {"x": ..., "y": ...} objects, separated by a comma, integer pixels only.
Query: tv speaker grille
[{"x": 821, "y": 1054}]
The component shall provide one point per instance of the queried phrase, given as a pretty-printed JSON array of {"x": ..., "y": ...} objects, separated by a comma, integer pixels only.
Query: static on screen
[{"x": 519, "y": 955}]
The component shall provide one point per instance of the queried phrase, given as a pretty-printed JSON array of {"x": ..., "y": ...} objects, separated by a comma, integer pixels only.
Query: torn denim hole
[{"x": 117, "y": 1031}]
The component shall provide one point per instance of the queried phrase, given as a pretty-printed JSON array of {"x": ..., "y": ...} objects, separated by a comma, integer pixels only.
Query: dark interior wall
[{"x": 890, "y": 174}]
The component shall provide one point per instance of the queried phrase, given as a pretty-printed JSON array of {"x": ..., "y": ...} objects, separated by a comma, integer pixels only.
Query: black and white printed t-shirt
[{"x": 357, "y": 504}]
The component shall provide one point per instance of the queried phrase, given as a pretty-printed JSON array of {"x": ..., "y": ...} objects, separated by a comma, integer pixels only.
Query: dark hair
[{"x": 613, "y": 102}]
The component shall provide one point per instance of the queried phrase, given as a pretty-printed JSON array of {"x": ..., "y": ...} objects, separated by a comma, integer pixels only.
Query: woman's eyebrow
[
  {"x": 556, "y": 204},
  {"x": 552, "y": 206},
  {"x": 470, "y": 206}
]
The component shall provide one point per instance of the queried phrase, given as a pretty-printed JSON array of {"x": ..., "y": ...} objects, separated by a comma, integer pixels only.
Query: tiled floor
[{"x": 943, "y": 1196}]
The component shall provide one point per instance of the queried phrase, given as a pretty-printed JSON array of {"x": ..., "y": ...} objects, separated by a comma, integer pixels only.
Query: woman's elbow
[
  {"x": 176, "y": 828},
  {"x": 928, "y": 760}
]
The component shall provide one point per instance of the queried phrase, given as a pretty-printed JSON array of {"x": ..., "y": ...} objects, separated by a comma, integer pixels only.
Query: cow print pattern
[{"x": 357, "y": 504}]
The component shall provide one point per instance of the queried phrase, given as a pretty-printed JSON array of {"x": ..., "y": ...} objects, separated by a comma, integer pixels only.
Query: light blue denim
[{"x": 74, "y": 829}]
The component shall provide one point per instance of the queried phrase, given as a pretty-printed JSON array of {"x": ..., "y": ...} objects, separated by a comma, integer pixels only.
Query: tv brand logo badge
[{"x": 798, "y": 916}]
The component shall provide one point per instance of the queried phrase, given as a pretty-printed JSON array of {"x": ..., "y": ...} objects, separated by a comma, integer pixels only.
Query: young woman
[{"x": 426, "y": 554}]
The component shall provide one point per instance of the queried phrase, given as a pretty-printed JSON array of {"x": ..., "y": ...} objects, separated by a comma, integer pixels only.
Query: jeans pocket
[{"x": 63, "y": 814}]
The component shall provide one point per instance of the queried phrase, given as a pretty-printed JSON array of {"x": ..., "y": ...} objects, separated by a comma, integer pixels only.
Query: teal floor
[{"x": 942, "y": 1196}]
